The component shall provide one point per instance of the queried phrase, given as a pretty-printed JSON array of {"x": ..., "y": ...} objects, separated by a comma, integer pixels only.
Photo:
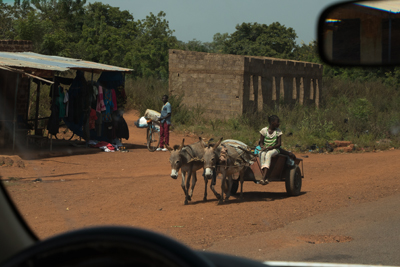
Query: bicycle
[{"x": 153, "y": 136}]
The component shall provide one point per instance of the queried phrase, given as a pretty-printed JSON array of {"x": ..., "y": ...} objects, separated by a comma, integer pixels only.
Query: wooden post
[
  {"x": 15, "y": 111},
  {"x": 37, "y": 107},
  {"x": 52, "y": 103}
]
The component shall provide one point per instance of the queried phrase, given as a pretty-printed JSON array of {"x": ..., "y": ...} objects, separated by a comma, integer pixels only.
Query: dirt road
[{"x": 135, "y": 189}]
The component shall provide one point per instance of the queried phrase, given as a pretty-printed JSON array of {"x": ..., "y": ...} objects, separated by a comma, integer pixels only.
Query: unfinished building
[{"x": 226, "y": 86}]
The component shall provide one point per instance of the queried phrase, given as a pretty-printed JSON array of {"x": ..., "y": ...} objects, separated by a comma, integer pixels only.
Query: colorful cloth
[
  {"x": 60, "y": 102},
  {"x": 108, "y": 102},
  {"x": 114, "y": 99},
  {"x": 100, "y": 101},
  {"x": 92, "y": 119}
]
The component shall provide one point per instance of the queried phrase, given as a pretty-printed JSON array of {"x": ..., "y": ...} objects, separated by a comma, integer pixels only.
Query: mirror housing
[{"x": 360, "y": 33}]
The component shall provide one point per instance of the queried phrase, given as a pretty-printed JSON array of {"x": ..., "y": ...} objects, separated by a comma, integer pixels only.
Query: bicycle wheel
[
  {"x": 64, "y": 133},
  {"x": 153, "y": 139}
]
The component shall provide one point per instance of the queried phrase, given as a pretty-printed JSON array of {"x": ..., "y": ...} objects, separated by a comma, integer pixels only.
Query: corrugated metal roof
[
  {"x": 392, "y": 6},
  {"x": 52, "y": 63}
]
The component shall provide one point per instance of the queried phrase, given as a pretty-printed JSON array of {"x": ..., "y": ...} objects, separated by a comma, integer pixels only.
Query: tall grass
[
  {"x": 361, "y": 112},
  {"x": 146, "y": 93},
  {"x": 364, "y": 112}
]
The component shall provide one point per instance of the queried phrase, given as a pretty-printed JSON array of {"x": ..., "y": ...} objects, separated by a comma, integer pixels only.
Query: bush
[{"x": 146, "y": 93}]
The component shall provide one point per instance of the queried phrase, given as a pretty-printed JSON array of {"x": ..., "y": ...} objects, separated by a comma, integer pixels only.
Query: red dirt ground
[{"x": 135, "y": 189}]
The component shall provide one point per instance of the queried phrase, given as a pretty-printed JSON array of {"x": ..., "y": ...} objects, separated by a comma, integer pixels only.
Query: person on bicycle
[{"x": 165, "y": 122}]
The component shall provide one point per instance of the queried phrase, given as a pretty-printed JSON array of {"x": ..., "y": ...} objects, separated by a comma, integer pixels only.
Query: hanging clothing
[
  {"x": 98, "y": 124},
  {"x": 95, "y": 91},
  {"x": 54, "y": 121},
  {"x": 92, "y": 119},
  {"x": 66, "y": 102},
  {"x": 100, "y": 101},
  {"x": 60, "y": 102},
  {"x": 122, "y": 129},
  {"x": 114, "y": 99},
  {"x": 108, "y": 128},
  {"x": 109, "y": 105}
]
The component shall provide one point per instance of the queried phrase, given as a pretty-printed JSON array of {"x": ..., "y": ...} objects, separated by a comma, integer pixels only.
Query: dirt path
[{"x": 135, "y": 189}]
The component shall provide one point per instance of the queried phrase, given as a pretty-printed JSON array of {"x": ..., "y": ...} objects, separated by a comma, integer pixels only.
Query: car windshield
[{"x": 215, "y": 123}]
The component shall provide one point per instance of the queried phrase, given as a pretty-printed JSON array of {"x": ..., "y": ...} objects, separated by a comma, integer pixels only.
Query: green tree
[
  {"x": 33, "y": 28},
  {"x": 194, "y": 45},
  {"x": 149, "y": 52},
  {"x": 274, "y": 40},
  {"x": 307, "y": 52},
  {"x": 22, "y": 8},
  {"x": 218, "y": 43},
  {"x": 52, "y": 25},
  {"x": 7, "y": 15},
  {"x": 107, "y": 35}
]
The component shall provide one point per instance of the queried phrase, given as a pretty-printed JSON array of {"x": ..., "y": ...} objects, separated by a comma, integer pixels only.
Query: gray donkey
[
  {"x": 235, "y": 162},
  {"x": 189, "y": 159}
]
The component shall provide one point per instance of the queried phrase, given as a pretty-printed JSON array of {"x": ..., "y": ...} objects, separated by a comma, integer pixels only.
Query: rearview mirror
[{"x": 360, "y": 33}]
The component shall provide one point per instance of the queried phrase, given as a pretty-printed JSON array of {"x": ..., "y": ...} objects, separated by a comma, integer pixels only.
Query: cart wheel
[
  {"x": 293, "y": 181},
  {"x": 235, "y": 186},
  {"x": 153, "y": 139}
]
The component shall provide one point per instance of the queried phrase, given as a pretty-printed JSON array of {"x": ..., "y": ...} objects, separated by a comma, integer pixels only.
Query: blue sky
[
  {"x": 200, "y": 20},
  {"x": 195, "y": 19}
]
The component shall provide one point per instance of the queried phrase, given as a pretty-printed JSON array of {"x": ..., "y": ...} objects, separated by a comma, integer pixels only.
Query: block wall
[
  {"x": 211, "y": 81},
  {"x": 274, "y": 81},
  {"x": 16, "y": 46},
  {"x": 230, "y": 85}
]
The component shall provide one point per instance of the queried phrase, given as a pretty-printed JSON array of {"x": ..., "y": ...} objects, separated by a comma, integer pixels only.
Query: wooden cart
[{"x": 280, "y": 171}]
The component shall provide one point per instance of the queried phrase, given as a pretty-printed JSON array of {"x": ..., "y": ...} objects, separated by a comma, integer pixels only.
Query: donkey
[
  {"x": 226, "y": 167},
  {"x": 189, "y": 160}
]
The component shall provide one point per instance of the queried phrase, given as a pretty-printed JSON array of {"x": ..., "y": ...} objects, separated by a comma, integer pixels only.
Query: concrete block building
[{"x": 230, "y": 85}]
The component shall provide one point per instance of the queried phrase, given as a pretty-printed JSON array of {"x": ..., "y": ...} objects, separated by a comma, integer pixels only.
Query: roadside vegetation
[
  {"x": 360, "y": 105},
  {"x": 365, "y": 113}
]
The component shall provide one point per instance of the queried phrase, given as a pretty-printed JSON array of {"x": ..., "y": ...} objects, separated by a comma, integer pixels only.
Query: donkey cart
[{"x": 282, "y": 169}]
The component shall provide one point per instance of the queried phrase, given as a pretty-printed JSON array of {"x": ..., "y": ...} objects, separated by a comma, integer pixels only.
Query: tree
[
  {"x": 107, "y": 35},
  {"x": 7, "y": 15},
  {"x": 307, "y": 52},
  {"x": 256, "y": 39},
  {"x": 218, "y": 43},
  {"x": 194, "y": 45},
  {"x": 32, "y": 28},
  {"x": 149, "y": 52},
  {"x": 52, "y": 25},
  {"x": 22, "y": 8}
]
